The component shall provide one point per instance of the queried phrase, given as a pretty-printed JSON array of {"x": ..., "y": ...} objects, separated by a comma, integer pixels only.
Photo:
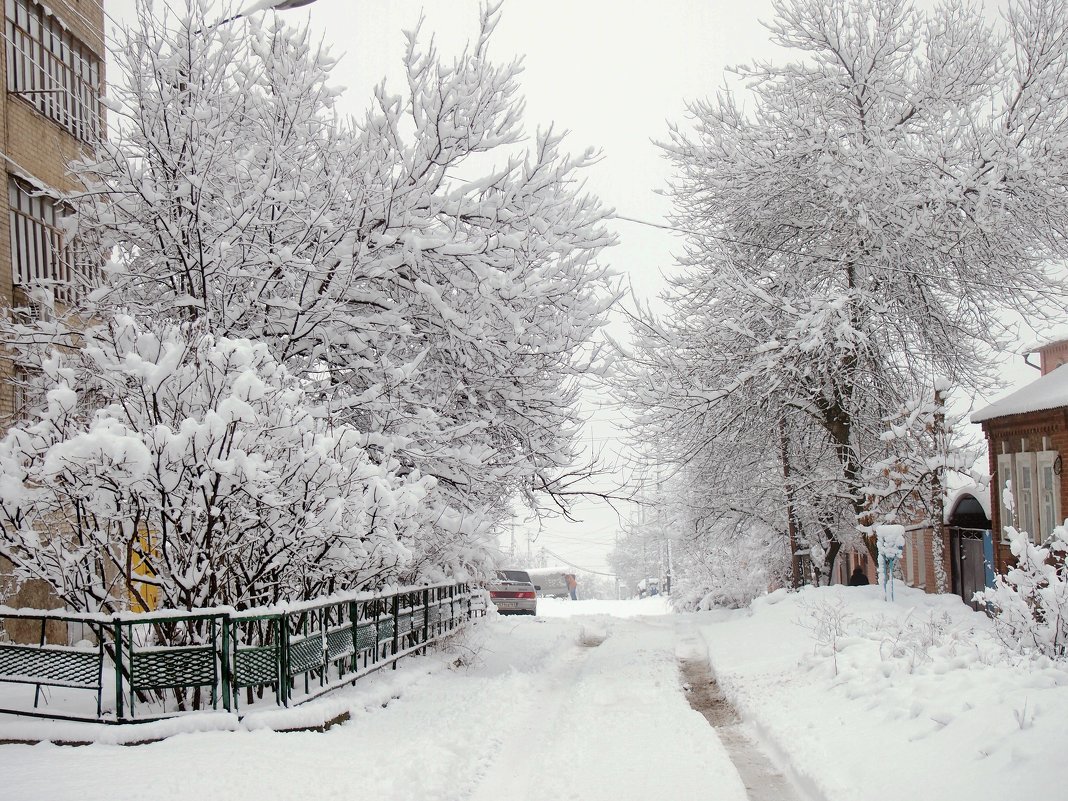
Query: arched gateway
[{"x": 971, "y": 546}]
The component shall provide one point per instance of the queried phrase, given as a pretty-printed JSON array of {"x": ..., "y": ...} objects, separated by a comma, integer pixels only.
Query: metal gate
[{"x": 973, "y": 568}]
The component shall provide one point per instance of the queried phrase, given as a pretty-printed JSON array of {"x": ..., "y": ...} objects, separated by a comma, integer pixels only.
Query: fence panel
[{"x": 163, "y": 664}]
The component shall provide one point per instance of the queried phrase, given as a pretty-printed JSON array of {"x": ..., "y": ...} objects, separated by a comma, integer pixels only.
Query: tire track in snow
[
  {"x": 609, "y": 724},
  {"x": 523, "y": 750},
  {"x": 763, "y": 781}
]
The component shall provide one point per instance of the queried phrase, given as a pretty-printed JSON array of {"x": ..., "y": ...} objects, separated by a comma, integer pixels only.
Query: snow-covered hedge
[{"x": 193, "y": 464}]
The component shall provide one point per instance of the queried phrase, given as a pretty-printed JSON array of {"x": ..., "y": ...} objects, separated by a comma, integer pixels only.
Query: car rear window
[{"x": 513, "y": 575}]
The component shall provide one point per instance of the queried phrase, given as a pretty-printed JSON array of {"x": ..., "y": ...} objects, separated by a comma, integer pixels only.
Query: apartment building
[{"x": 53, "y": 74}]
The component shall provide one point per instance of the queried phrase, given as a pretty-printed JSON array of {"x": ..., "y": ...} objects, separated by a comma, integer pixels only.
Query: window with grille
[
  {"x": 52, "y": 70},
  {"x": 40, "y": 255}
]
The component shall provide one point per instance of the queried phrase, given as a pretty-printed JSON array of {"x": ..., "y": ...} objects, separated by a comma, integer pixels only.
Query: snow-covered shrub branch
[
  {"x": 1030, "y": 600},
  {"x": 194, "y": 464}
]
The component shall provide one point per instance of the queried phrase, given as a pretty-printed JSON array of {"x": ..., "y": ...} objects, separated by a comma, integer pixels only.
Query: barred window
[
  {"x": 40, "y": 256},
  {"x": 52, "y": 70}
]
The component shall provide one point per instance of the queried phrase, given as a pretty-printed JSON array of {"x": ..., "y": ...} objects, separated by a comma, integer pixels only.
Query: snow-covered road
[
  {"x": 916, "y": 699},
  {"x": 561, "y": 706}
]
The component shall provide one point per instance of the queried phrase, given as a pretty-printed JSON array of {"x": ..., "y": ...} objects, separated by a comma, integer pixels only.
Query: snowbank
[{"x": 883, "y": 701}]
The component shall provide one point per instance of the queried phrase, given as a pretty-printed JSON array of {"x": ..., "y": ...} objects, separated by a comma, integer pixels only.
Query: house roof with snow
[
  {"x": 981, "y": 495},
  {"x": 1048, "y": 392},
  {"x": 1051, "y": 336}
]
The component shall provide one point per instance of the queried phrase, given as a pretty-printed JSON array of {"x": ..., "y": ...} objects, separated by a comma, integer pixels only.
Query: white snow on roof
[
  {"x": 1048, "y": 392},
  {"x": 981, "y": 494},
  {"x": 1049, "y": 336}
]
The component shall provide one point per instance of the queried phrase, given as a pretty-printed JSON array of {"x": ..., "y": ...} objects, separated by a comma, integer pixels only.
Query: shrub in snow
[
  {"x": 914, "y": 639},
  {"x": 179, "y": 469},
  {"x": 1030, "y": 601},
  {"x": 829, "y": 621}
]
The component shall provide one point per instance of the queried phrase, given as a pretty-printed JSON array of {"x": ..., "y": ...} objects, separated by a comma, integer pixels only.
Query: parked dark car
[{"x": 513, "y": 593}]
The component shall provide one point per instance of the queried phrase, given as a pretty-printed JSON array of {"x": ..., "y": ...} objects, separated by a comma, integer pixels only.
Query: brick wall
[{"x": 1053, "y": 355}]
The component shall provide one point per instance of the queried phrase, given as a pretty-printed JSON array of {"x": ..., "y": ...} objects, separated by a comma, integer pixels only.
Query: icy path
[{"x": 583, "y": 707}]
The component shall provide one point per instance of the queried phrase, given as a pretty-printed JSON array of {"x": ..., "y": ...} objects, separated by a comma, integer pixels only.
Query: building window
[
  {"x": 52, "y": 70},
  {"x": 1048, "y": 495},
  {"x": 40, "y": 255},
  {"x": 1026, "y": 496},
  {"x": 1032, "y": 502}
]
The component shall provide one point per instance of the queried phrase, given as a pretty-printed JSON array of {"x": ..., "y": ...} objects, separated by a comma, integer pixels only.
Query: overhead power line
[
  {"x": 839, "y": 259},
  {"x": 577, "y": 567}
]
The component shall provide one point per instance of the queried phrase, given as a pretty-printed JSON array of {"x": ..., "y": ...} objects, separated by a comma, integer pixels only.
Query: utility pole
[{"x": 667, "y": 588}]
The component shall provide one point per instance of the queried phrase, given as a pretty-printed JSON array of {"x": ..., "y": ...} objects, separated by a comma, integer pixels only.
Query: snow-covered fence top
[{"x": 147, "y": 666}]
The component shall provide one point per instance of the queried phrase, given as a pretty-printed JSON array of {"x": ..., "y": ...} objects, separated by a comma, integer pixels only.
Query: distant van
[{"x": 549, "y": 582}]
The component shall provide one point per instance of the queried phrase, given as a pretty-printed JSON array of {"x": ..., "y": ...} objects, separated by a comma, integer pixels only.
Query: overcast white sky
[{"x": 613, "y": 73}]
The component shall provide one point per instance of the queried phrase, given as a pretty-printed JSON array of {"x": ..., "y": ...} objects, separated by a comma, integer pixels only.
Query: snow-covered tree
[
  {"x": 426, "y": 276},
  {"x": 857, "y": 220}
]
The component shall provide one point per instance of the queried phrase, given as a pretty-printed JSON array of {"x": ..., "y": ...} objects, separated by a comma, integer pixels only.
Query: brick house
[
  {"x": 1027, "y": 436},
  {"x": 53, "y": 74}
]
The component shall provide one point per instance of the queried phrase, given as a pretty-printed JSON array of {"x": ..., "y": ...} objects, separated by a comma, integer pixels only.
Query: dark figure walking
[{"x": 859, "y": 578}]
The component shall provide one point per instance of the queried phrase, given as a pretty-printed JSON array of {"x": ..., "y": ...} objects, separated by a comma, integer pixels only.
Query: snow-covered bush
[
  {"x": 829, "y": 621},
  {"x": 914, "y": 639},
  {"x": 189, "y": 468},
  {"x": 1030, "y": 601}
]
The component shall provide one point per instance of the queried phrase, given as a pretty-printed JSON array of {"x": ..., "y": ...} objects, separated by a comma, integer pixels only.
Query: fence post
[
  {"x": 355, "y": 664},
  {"x": 118, "y": 667},
  {"x": 100, "y": 666},
  {"x": 283, "y": 659},
  {"x": 226, "y": 662},
  {"x": 396, "y": 628},
  {"x": 426, "y": 617},
  {"x": 324, "y": 643}
]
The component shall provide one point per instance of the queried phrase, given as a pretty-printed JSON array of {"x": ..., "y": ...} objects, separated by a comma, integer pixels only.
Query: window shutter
[
  {"x": 1006, "y": 493},
  {"x": 1048, "y": 494}
]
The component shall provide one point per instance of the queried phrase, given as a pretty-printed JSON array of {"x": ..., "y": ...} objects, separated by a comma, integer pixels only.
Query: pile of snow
[{"x": 882, "y": 701}]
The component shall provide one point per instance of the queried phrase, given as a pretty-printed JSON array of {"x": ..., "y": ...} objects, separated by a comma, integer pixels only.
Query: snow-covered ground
[
  {"x": 853, "y": 697},
  {"x": 870, "y": 700}
]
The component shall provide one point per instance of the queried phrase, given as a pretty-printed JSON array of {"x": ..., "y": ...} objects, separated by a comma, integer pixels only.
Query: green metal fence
[{"x": 141, "y": 667}]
